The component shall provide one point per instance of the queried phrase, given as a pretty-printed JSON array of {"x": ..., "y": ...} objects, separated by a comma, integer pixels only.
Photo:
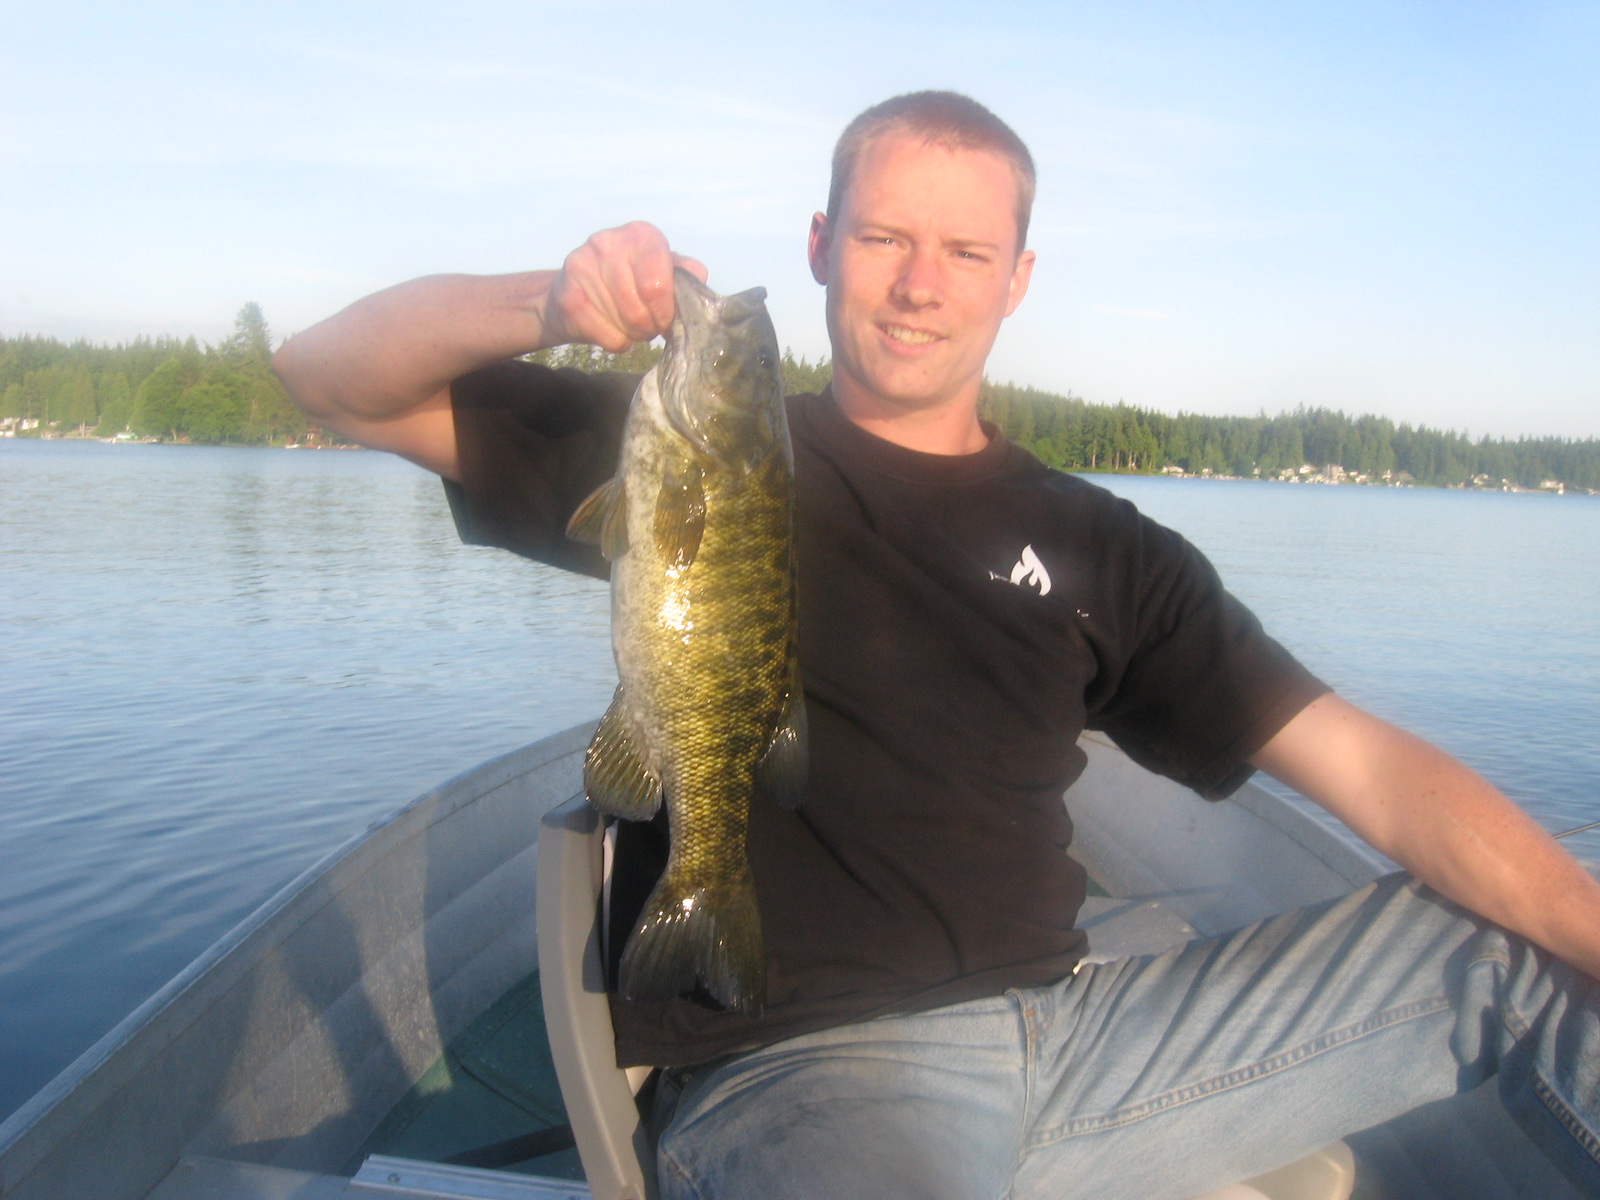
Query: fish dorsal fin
[
  {"x": 781, "y": 773},
  {"x": 602, "y": 519},
  {"x": 681, "y": 514},
  {"x": 614, "y": 776}
]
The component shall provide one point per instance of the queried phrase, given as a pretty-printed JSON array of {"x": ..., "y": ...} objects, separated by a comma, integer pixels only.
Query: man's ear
[
  {"x": 1021, "y": 274},
  {"x": 818, "y": 242}
]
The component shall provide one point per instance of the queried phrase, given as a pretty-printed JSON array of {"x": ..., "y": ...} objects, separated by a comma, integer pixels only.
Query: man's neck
[{"x": 949, "y": 428}]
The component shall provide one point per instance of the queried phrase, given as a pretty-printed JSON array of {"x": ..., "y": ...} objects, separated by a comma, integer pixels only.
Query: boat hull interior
[{"x": 282, "y": 1062}]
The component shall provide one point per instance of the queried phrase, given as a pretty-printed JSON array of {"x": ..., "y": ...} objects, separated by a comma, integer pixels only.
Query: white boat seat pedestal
[
  {"x": 613, "y": 1143},
  {"x": 1329, "y": 1174}
]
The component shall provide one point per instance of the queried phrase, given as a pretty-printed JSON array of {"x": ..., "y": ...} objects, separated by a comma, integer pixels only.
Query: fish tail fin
[{"x": 708, "y": 933}]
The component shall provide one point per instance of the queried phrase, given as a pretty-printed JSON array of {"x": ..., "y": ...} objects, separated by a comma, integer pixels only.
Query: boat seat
[{"x": 613, "y": 1142}]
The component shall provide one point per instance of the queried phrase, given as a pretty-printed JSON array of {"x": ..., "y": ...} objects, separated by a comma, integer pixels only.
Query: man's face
[{"x": 921, "y": 267}]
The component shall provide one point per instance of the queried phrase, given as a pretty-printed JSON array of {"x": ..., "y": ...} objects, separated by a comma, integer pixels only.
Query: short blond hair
[{"x": 942, "y": 119}]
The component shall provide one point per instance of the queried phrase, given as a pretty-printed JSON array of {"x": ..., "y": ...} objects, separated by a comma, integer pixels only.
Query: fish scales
[{"x": 698, "y": 525}]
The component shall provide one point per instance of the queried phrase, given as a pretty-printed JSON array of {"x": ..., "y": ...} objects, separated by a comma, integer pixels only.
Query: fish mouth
[
  {"x": 744, "y": 306},
  {"x": 721, "y": 390},
  {"x": 689, "y": 292}
]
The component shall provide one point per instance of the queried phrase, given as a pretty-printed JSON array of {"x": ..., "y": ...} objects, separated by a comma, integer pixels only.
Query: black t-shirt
[{"x": 962, "y": 620}]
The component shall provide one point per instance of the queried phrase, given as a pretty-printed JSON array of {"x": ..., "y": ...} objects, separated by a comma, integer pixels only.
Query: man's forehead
[
  {"x": 909, "y": 173},
  {"x": 904, "y": 144}
]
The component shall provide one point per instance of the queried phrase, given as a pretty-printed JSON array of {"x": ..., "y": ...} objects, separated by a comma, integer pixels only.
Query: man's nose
[{"x": 919, "y": 284}]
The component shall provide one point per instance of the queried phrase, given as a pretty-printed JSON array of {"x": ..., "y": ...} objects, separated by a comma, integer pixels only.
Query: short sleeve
[
  {"x": 533, "y": 443},
  {"x": 1201, "y": 686}
]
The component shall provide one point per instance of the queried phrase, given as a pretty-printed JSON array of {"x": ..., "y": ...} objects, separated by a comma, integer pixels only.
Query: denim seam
[
  {"x": 1580, "y": 1132},
  {"x": 1519, "y": 1028},
  {"x": 664, "y": 1158},
  {"x": 1178, "y": 1097},
  {"x": 1030, "y": 1039}
]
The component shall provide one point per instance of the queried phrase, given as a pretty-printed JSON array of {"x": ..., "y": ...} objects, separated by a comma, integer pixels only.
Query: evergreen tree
[
  {"x": 158, "y": 406},
  {"x": 214, "y": 410},
  {"x": 114, "y": 399},
  {"x": 251, "y": 339}
]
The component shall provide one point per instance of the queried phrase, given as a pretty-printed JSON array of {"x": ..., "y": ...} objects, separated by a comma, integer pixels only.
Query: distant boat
[{"x": 373, "y": 1025}]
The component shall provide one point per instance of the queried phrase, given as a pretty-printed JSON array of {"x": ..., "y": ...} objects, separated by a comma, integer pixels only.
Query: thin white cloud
[{"x": 658, "y": 95}]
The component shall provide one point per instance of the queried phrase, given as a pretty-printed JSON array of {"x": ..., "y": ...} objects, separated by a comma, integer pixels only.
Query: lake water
[{"x": 217, "y": 664}]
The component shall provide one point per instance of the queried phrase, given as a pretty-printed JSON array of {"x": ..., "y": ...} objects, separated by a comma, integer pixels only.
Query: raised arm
[
  {"x": 1443, "y": 822},
  {"x": 379, "y": 372}
]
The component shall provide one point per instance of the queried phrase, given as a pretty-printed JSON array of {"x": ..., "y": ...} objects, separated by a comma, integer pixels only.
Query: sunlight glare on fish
[{"x": 675, "y": 613}]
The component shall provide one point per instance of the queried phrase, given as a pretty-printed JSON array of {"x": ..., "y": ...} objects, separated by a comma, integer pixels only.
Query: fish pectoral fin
[
  {"x": 781, "y": 773},
  {"x": 602, "y": 519},
  {"x": 708, "y": 934},
  {"x": 681, "y": 515},
  {"x": 614, "y": 776}
]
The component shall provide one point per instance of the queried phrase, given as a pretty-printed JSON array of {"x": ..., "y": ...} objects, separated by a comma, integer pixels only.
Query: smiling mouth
[{"x": 908, "y": 337}]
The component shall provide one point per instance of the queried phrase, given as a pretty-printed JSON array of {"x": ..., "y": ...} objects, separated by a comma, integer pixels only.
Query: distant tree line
[
  {"x": 180, "y": 391},
  {"x": 1073, "y": 434},
  {"x": 160, "y": 388}
]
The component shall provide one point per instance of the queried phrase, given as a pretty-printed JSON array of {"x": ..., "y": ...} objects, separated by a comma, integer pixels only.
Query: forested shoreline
[
  {"x": 1311, "y": 445},
  {"x": 164, "y": 389},
  {"x": 151, "y": 389}
]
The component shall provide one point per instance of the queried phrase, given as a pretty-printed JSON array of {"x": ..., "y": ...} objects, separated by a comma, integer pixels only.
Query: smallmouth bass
[{"x": 698, "y": 526}]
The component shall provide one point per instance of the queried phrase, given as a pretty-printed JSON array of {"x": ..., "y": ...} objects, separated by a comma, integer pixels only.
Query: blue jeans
[{"x": 1160, "y": 1077}]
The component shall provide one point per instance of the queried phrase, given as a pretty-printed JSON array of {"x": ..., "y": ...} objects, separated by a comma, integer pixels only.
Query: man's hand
[
  {"x": 380, "y": 371},
  {"x": 615, "y": 289},
  {"x": 1443, "y": 822}
]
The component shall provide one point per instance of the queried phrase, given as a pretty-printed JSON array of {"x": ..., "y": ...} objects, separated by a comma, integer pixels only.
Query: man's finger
[
  {"x": 653, "y": 287},
  {"x": 692, "y": 265},
  {"x": 636, "y": 269},
  {"x": 616, "y": 289},
  {"x": 657, "y": 289}
]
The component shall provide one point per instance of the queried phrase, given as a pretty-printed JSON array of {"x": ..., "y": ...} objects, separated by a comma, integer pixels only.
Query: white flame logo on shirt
[{"x": 1029, "y": 570}]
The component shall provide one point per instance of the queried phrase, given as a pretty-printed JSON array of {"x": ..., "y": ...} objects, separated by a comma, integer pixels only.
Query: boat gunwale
[{"x": 34, "y": 1130}]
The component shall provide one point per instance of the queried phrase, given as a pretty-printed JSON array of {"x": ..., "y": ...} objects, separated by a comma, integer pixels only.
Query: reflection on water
[
  {"x": 217, "y": 664},
  {"x": 1469, "y": 618}
]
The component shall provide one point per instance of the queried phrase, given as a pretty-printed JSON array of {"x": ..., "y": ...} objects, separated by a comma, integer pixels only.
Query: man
[{"x": 928, "y": 1033}]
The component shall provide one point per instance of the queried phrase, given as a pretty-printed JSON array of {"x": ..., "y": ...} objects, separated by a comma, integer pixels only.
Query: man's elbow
[{"x": 290, "y": 366}]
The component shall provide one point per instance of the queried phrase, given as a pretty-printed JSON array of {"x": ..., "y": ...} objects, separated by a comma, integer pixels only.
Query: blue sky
[{"x": 1388, "y": 208}]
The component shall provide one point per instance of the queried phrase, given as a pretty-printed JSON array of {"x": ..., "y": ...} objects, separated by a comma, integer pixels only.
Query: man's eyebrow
[
  {"x": 876, "y": 227},
  {"x": 872, "y": 228},
  {"x": 972, "y": 244}
]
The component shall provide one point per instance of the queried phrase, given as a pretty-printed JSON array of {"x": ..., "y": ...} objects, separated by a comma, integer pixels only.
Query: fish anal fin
[
  {"x": 602, "y": 519},
  {"x": 781, "y": 773},
  {"x": 615, "y": 778},
  {"x": 708, "y": 934},
  {"x": 680, "y": 515}
]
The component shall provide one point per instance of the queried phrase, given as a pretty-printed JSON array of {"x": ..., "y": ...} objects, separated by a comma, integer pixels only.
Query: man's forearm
[
  {"x": 394, "y": 351},
  {"x": 380, "y": 371},
  {"x": 1443, "y": 822}
]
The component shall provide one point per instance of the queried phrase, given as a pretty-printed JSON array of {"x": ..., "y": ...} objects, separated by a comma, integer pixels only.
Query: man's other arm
[
  {"x": 379, "y": 372},
  {"x": 1443, "y": 822}
]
